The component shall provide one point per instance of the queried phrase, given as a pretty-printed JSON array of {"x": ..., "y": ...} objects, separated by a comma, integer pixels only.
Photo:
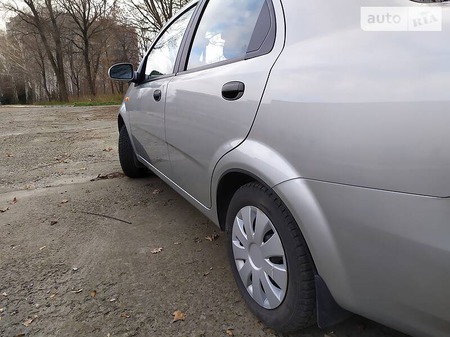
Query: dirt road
[{"x": 113, "y": 256}]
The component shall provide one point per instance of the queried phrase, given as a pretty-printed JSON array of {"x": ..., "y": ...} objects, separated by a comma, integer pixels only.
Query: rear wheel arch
[
  {"x": 232, "y": 181},
  {"x": 328, "y": 311},
  {"x": 229, "y": 183}
]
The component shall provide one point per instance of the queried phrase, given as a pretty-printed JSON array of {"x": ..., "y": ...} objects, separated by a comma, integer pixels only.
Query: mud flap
[{"x": 328, "y": 311}]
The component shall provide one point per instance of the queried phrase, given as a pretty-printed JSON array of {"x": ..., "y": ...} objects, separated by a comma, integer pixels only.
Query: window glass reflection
[
  {"x": 224, "y": 32},
  {"x": 161, "y": 60}
]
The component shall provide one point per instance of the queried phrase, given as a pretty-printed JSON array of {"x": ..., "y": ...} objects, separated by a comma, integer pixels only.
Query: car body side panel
[
  {"x": 360, "y": 108},
  {"x": 379, "y": 252}
]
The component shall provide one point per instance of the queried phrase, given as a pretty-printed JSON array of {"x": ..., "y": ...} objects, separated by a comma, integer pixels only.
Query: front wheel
[
  {"x": 269, "y": 259},
  {"x": 128, "y": 160}
]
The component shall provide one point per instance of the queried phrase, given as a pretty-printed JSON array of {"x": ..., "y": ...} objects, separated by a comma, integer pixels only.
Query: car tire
[
  {"x": 128, "y": 160},
  {"x": 269, "y": 259}
]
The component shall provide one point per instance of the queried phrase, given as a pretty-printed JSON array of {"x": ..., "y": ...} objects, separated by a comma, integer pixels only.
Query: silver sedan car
[{"x": 317, "y": 136}]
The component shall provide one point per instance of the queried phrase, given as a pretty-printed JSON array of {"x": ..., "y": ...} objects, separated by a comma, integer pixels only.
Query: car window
[
  {"x": 161, "y": 59},
  {"x": 224, "y": 32}
]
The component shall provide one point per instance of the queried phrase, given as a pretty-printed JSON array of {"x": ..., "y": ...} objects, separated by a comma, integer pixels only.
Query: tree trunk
[
  {"x": 87, "y": 64},
  {"x": 60, "y": 73},
  {"x": 58, "y": 64}
]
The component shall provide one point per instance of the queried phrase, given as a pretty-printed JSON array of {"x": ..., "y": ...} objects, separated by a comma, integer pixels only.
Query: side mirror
[{"x": 122, "y": 72}]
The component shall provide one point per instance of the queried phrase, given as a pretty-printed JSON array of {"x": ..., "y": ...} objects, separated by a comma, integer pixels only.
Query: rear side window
[{"x": 225, "y": 31}]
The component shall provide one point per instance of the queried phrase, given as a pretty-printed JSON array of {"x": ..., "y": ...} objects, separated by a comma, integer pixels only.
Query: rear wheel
[
  {"x": 269, "y": 259},
  {"x": 128, "y": 160}
]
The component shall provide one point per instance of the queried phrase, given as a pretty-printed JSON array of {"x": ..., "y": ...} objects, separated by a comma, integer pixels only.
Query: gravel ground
[{"x": 85, "y": 251}]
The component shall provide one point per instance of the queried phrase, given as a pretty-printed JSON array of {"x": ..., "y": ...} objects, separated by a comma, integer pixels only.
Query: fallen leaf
[
  {"x": 3, "y": 210},
  {"x": 52, "y": 296},
  {"x": 108, "y": 149},
  {"x": 43, "y": 247},
  {"x": 112, "y": 300},
  {"x": 4, "y": 294},
  {"x": 156, "y": 250},
  {"x": 77, "y": 291},
  {"x": 157, "y": 191},
  {"x": 53, "y": 222},
  {"x": 230, "y": 332},
  {"x": 64, "y": 201},
  {"x": 63, "y": 158},
  {"x": 125, "y": 315},
  {"x": 9, "y": 155},
  {"x": 178, "y": 316},
  {"x": 93, "y": 293},
  {"x": 269, "y": 331},
  {"x": 108, "y": 176},
  {"x": 29, "y": 320},
  {"x": 212, "y": 238},
  {"x": 206, "y": 273}
]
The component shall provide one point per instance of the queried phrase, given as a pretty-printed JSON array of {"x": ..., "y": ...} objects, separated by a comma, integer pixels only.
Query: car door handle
[
  {"x": 157, "y": 95},
  {"x": 232, "y": 91}
]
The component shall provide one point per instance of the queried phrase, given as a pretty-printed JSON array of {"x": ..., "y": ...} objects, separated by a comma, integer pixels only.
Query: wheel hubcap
[{"x": 259, "y": 257}]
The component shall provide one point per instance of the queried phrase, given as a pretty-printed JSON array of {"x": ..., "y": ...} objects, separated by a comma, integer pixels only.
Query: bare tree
[
  {"x": 154, "y": 13},
  {"x": 43, "y": 16},
  {"x": 24, "y": 40},
  {"x": 88, "y": 18},
  {"x": 75, "y": 64},
  {"x": 7, "y": 92},
  {"x": 149, "y": 16},
  {"x": 55, "y": 49},
  {"x": 19, "y": 65}
]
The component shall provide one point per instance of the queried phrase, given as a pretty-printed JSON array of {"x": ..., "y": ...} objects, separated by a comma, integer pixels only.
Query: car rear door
[{"x": 213, "y": 100}]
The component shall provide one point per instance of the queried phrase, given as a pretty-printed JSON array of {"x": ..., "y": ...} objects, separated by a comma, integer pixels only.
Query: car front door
[
  {"x": 146, "y": 103},
  {"x": 213, "y": 100}
]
